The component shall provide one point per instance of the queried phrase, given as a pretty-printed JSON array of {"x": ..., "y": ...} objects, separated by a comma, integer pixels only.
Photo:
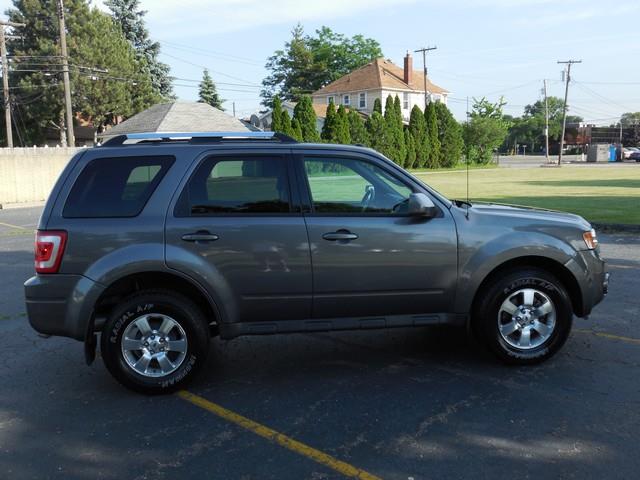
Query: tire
[
  {"x": 547, "y": 318},
  {"x": 176, "y": 336}
]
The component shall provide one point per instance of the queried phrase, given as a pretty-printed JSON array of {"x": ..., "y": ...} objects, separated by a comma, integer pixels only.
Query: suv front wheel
[
  {"x": 155, "y": 341},
  {"x": 524, "y": 317}
]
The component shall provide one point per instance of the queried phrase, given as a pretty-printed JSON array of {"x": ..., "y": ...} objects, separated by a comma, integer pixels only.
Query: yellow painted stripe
[
  {"x": 277, "y": 437},
  {"x": 635, "y": 341},
  {"x": 11, "y": 226}
]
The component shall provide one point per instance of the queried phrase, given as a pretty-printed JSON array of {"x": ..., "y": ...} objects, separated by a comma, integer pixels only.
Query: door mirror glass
[{"x": 420, "y": 205}]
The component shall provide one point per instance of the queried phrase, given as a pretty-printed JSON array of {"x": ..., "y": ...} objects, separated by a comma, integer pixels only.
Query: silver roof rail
[{"x": 196, "y": 137}]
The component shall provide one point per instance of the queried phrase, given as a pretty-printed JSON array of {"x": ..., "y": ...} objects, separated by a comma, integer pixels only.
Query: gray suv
[{"x": 159, "y": 241}]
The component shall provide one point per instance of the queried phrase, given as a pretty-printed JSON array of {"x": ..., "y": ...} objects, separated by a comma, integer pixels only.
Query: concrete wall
[{"x": 28, "y": 174}]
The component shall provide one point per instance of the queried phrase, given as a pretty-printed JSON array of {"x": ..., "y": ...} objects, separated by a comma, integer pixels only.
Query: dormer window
[{"x": 346, "y": 100}]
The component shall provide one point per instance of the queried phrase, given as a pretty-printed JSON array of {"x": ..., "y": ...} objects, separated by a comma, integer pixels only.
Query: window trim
[
  {"x": 346, "y": 97},
  {"x": 406, "y": 100},
  {"x": 305, "y": 187},
  {"x": 361, "y": 96},
  {"x": 170, "y": 159},
  {"x": 181, "y": 207}
]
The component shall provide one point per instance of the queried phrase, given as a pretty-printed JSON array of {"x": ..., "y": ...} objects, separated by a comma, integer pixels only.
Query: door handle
[
  {"x": 199, "y": 237},
  {"x": 340, "y": 235}
]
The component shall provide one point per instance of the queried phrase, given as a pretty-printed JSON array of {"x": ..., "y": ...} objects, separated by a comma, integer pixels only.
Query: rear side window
[
  {"x": 115, "y": 187},
  {"x": 252, "y": 185}
]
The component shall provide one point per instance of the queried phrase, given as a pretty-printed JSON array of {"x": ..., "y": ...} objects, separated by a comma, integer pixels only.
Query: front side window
[
  {"x": 346, "y": 100},
  {"x": 362, "y": 102},
  {"x": 237, "y": 186},
  {"x": 405, "y": 100},
  {"x": 329, "y": 99},
  {"x": 353, "y": 186},
  {"x": 115, "y": 187}
]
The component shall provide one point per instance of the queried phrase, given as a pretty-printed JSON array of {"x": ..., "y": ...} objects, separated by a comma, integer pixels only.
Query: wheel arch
[{"x": 557, "y": 269}]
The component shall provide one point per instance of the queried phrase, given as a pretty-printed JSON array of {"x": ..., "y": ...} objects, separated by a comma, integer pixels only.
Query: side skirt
[{"x": 232, "y": 330}]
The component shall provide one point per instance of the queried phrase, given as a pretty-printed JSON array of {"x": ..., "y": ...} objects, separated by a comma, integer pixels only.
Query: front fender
[{"x": 480, "y": 261}]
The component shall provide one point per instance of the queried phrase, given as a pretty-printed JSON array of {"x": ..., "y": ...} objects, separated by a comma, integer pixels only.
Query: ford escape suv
[{"x": 157, "y": 242}]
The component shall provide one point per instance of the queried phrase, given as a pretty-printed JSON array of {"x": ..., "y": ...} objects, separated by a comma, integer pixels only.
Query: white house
[{"x": 379, "y": 79}]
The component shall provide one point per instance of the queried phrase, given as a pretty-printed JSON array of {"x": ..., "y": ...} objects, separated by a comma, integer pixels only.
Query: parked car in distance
[
  {"x": 635, "y": 156},
  {"x": 628, "y": 151},
  {"x": 157, "y": 242}
]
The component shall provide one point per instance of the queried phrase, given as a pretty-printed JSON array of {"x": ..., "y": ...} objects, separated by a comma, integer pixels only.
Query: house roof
[
  {"x": 179, "y": 117},
  {"x": 378, "y": 74},
  {"x": 319, "y": 108}
]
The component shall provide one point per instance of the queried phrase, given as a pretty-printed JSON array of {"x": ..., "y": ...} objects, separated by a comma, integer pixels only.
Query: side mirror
[{"x": 420, "y": 205}]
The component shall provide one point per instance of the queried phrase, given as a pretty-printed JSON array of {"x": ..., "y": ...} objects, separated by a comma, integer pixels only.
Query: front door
[
  {"x": 369, "y": 257},
  {"x": 236, "y": 227}
]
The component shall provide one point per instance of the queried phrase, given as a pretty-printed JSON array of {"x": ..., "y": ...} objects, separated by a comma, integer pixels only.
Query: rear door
[
  {"x": 369, "y": 258},
  {"x": 237, "y": 226}
]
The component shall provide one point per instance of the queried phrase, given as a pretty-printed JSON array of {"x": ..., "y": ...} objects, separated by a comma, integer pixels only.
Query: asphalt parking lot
[{"x": 401, "y": 404}]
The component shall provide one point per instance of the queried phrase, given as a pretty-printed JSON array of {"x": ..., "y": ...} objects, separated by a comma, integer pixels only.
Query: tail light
[{"x": 49, "y": 250}]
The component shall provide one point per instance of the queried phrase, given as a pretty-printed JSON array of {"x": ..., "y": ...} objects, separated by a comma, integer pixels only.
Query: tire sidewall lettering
[{"x": 123, "y": 320}]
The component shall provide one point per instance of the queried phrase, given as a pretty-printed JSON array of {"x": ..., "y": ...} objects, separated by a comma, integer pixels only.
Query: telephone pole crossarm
[{"x": 424, "y": 51}]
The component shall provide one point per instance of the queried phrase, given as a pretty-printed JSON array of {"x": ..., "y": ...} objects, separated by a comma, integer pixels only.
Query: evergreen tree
[
  {"x": 418, "y": 130},
  {"x": 357, "y": 130},
  {"x": 411, "y": 150},
  {"x": 376, "y": 131},
  {"x": 276, "y": 115},
  {"x": 296, "y": 129},
  {"x": 377, "y": 106},
  {"x": 343, "y": 136},
  {"x": 450, "y": 136},
  {"x": 432, "y": 133},
  {"x": 116, "y": 86},
  {"x": 329, "y": 128},
  {"x": 306, "y": 117},
  {"x": 207, "y": 92},
  {"x": 394, "y": 131},
  {"x": 285, "y": 124},
  {"x": 128, "y": 15}
]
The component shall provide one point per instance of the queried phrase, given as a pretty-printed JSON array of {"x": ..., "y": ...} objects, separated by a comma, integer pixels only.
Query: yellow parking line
[
  {"x": 277, "y": 437},
  {"x": 11, "y": 226},
  {"x": 635, "y": 341}
]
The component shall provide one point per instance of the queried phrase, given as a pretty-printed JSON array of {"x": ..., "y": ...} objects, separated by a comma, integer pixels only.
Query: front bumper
[{"x": 60, "y": 304}]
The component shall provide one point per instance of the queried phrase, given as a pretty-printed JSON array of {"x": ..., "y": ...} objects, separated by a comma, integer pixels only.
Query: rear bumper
[{"x": 60, "y": 304}]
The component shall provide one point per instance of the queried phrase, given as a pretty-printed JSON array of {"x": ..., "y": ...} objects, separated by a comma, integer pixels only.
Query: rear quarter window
[{"x": 115, "y": 187}]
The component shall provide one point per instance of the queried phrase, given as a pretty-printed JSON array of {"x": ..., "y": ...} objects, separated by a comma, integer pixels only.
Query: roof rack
[{"x": 196, "y": 137}]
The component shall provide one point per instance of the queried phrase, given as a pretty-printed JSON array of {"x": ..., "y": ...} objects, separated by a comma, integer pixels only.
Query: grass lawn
[{"x": 607, "y": 194}]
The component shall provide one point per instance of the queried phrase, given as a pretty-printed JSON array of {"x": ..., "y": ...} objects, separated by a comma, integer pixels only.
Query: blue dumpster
[{"x": 612, "y": 153}]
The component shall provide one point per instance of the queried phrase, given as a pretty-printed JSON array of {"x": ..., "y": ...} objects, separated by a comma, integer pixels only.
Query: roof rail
[{"x": 196, "y": 137}]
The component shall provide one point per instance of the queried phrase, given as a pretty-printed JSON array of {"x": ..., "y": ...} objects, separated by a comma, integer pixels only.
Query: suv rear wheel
[
  {"x": 524, "y": 317},
  {"x": 155, "y": 341}
]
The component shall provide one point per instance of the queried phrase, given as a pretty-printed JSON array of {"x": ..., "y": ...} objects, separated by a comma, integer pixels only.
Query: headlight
[{"x": 590, "y": 239}]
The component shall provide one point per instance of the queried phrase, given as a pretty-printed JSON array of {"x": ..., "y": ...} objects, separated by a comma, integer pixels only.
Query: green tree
[
  {"x": 128, "y": 15},
  {"x": 276, "y": 115},
  {"x": 630, "y": 119},
  {"x": 418, "y": 129},
  {"x": 107, "y": 79},
  {"x": 329, "y": 128},
  {"x": 450, "y": 136},
  {"x": 485, "y": 131},
  {"x": 432, "y": 132},
  {"x": 306, "y": 117},
  {"x": 410, "y": 143},
  {"x": 285, "y": 125},
  {"x": 208, "y": 93},
  {"x": 396, "y": 150},
  {"x": 309, "y": 62},
  {"x": 357, "y": 130},
  {"x": 343, "y": 135},
  {"x": 296, "y": 129},
  {"x": 377, "y": 106},
  {"x": 377, "y": 133}
]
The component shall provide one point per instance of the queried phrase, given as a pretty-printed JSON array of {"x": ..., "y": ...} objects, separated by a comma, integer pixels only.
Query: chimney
[{"x": 408, "y": 68}]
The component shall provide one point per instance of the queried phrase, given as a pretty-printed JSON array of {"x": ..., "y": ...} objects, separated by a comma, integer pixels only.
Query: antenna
[{"x": 467, "y": 159}]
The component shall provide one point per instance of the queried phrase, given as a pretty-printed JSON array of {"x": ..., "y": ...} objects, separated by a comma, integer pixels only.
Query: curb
[{"x": 616, "y": 228}]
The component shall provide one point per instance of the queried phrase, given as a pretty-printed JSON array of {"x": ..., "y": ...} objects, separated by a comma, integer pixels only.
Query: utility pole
[
  {"x": 5, "y": 79},
  {"x": 566, "y": 95},
  {"x": 546, "y": 123},
  {"x": 71, "y": 139},
  {"x": 424, "y": 51},
  {"x": 234, "y": 109}
]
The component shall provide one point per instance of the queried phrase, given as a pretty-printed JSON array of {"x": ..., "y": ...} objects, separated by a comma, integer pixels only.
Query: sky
[{"x": 487, "y": 48}]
